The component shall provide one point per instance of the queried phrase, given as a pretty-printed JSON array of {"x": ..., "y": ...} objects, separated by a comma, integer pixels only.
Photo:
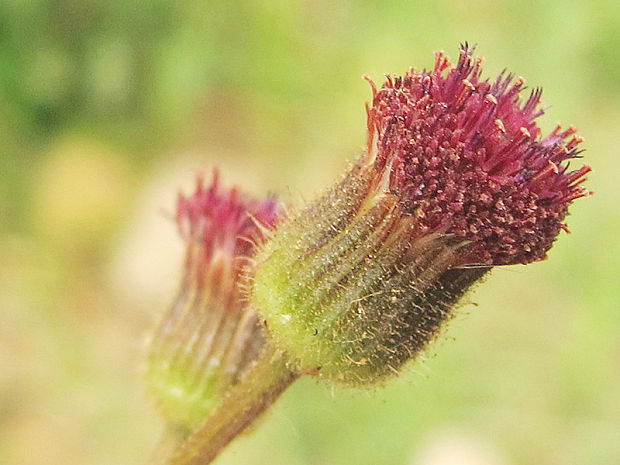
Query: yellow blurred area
[
  {"x": 109, "y": 109},
  {"x": 80, "y": 192}
]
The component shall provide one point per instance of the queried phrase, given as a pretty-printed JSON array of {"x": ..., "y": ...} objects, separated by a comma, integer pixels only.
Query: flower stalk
[{"x": 244, "y": 403}]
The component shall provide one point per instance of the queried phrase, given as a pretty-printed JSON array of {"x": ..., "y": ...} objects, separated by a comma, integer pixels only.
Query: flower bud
[
  {"x": 456, "y": 179},
  {"x": 209, "y": 337}
]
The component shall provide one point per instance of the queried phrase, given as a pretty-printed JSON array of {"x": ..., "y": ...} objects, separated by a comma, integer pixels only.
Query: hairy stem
[{"x": 269, "y": 378}]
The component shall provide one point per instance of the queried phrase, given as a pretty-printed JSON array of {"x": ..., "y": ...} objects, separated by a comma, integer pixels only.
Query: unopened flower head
[
  {"x": 209, "y": 336},
  {"x": 456, "y": 179}
]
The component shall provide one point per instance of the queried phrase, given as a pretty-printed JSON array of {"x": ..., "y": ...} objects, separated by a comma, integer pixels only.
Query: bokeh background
[{"x": 109, "y": 108}]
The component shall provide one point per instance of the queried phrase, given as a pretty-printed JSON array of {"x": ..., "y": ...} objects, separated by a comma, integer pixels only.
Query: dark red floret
[
  {"x": 466, "y": 157},
  {"x": 220, "y": 219}
]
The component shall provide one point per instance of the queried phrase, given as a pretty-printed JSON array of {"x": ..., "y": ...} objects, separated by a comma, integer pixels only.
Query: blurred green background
[{"x": 108, "y": 108}]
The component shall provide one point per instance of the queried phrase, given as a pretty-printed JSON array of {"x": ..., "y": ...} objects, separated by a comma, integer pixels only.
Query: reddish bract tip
[
  {"x": 222, "y": 219},
  {"x": 466, "y": 157}
]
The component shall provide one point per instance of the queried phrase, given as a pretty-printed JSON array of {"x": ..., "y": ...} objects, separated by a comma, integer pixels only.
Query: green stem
[
  {"x": 269, "y": 378},
  {"x": 168, "y": 443}
]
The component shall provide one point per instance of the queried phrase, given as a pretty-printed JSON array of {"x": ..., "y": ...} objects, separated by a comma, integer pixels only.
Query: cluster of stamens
[
  {"x": 223, "y": 220},
  {"x": 466, "y": 157}
]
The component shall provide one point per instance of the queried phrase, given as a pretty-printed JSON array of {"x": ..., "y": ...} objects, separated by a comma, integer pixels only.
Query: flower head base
[
  {"x": 209, "y": 336},
  {"x": 456, "y": 180},
  {"x": 466, "y": 157}
]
